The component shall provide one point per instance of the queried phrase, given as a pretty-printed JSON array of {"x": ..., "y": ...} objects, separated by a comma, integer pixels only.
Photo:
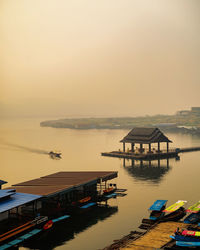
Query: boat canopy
[
  {"x": 194, "y": 208},
  {"x": 157, "y": 205},
  {"x": 175, "y": 206}
]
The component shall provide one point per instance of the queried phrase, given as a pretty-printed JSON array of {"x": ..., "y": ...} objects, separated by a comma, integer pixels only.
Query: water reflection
[
  {"x": 150, "y": 171},
  {"x": 68, "y": 229}
]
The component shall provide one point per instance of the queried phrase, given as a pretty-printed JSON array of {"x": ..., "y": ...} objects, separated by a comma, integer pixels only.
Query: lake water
[{"x": 23, "y": 145}]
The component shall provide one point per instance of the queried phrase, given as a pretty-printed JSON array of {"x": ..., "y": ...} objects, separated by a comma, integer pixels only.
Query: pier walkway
[{"x": 155, "y": 238}]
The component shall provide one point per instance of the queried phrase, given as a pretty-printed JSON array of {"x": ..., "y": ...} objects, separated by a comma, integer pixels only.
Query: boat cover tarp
[
  {"x": 175, "y": 206},
  {"x": 192, "y": 218},
  {"x": 157, "y": 205},
  {"x": 191, "y": 233},
  {"x": 17, "y": 200},
  {"x": 184, "y": 238},
  {"x": 187, "y": 244},
  {"x": 194, "y": 208}
]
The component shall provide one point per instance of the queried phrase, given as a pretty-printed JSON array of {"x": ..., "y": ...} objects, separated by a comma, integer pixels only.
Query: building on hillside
[{"x": 195, "y": 110}]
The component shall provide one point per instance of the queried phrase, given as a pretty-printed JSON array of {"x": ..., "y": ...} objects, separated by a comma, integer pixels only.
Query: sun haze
[{"x": 99, "y": 58}]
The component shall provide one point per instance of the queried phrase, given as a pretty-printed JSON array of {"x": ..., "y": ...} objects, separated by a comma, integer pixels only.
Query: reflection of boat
[
  {"x": 55, "y": 154},
  {"x": 157, "y": 210},
  {"x": 174, "y": 212}
]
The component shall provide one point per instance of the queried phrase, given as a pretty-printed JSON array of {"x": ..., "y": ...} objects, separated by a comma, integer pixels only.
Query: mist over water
[
  {"x": 98, "y": 58},
  {"x": 172, "y": 180}
]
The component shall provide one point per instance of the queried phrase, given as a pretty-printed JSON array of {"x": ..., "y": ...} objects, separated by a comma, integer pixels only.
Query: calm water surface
[{"x": 23, "y": 147}]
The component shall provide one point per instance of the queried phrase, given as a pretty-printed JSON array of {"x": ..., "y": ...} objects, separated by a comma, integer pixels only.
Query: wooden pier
[
  {"x": 190, "y": 149},
  {"x": 157, "y": 236}
]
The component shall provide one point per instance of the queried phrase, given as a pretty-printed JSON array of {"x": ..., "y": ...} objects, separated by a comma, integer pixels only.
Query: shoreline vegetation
[{"x": 189, "y": 123}]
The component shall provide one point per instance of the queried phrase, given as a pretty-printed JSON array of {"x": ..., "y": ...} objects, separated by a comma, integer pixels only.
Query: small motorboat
[
  {"x": 54, "y": 154},
  {"x": 157, "y": 210},
  {"x": 174, "y": 212},
  {"x": 186, "y": 238},
  {"x": 194, "y": 216}
]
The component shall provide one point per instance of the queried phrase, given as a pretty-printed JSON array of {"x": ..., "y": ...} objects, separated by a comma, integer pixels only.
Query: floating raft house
[
  {"x": 64, "y": 182},
  {"x": 67, "y": 190}
]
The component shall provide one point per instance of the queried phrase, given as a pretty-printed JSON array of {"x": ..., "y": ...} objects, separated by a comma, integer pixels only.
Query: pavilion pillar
[
  {"x": 141, "y": 147},
  {"x": 149, "y": 147},
  {"x": 167, "y": 147},
  {"x": 167, "y": 162},
  {"x": 132, "y": 147},
  {"x": 158, "y": 146},
  {"x": 124, "y": 148}
]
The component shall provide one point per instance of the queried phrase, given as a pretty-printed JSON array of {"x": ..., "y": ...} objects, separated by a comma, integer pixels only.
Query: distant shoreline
[{"x": 178, "y": 124}]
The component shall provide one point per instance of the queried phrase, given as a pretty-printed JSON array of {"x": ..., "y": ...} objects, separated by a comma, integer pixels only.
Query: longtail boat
[
  {"x": 186, "y": 238},
  {"x": 29, "y": 228},
  {"x": 157, "y": 210},
  {"x": 194, "y": 208},
  {"x": 174, "y": 212},
  {"x": 194, "y": 217}
]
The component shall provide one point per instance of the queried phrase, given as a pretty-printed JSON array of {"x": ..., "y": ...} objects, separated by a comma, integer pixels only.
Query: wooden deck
[
  {"x": 156, "y": 237},
  {"x": 143, "y": 156},
  {"x": 172, "y": 153}
]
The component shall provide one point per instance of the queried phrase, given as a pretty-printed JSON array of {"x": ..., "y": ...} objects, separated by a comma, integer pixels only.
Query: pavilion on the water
[{"x": 143, "y": 136}]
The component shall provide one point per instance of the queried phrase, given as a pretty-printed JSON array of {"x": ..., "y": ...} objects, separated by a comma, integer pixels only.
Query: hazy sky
[{"x": 99, "y": 57}]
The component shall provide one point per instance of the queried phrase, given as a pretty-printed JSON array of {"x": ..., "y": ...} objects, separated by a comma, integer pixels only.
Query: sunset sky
[{"x": 98, "y": 57}]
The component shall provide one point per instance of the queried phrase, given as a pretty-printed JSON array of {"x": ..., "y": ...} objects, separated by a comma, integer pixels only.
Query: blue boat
[
  {"x": 156, "y": 209},
  {"x": 187, "y": 244},
  {"x": 158, "y": 205},
  {"x": 192, "y": 218},
  {"x": 185, "y": 238}
]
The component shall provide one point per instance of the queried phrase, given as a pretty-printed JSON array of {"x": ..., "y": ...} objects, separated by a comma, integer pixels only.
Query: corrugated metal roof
[
  {"x": 145, "y": 135},
  {"x": 63, "y": 182},
  {"x": 17, "y": 200},
  {"x": 6, "y": 193}
]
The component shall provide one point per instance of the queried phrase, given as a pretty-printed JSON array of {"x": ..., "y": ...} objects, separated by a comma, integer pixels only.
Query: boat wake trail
[{"x": 23, "y": 148}]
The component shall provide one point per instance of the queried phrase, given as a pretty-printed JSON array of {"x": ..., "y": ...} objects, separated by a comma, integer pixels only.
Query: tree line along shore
[{"x": 189, "y": 123}]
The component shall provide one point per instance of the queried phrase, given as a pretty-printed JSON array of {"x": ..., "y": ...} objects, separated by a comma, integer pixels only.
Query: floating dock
[
  {"x": 146, "y": 156},
  {"x": 142, "y": 156},
  {"x": 156, "y": 237},
  {"x": 39, "y": 203}
]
